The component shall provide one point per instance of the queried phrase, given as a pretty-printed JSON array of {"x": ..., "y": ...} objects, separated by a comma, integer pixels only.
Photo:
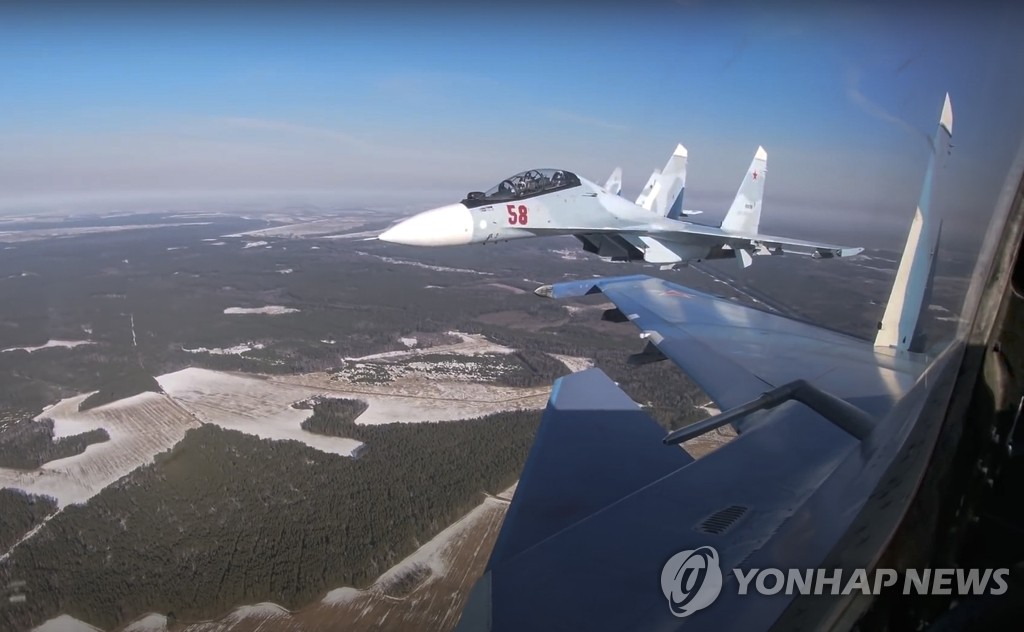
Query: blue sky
[{"x": 394, "y": 103}]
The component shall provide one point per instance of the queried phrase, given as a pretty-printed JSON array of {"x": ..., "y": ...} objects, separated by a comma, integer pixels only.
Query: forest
[
  {"x": 225, "y": 518},
  {"x": 334, "y": 416},
  {"x": 19, "y": 512},
  {"x": 132, "y": 382},
  {"x": 27, "y": 444}
]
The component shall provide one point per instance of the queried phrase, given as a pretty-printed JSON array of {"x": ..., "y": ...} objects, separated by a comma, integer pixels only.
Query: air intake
[{"x": 722, "y": 520}]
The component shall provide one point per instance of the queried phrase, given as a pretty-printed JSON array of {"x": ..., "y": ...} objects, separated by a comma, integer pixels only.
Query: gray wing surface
[{"x": 735, "y": 352}]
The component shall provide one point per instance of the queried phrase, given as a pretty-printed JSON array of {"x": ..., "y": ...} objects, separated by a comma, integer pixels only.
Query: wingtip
[
  {"x": 761, "y": 153},
  {"x": 946, "y": 119},
  {"x": 680, "y": 151}
]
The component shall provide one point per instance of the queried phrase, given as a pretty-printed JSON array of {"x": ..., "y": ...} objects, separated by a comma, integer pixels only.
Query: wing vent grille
[{"x": 722, "y": 520}]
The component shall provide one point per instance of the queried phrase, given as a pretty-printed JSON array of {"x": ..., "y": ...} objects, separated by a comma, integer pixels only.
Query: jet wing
[
  {"x": 769, "y": 241},
  {"x": 575, "y": 555},
  {"x": 736, "y": 353}
]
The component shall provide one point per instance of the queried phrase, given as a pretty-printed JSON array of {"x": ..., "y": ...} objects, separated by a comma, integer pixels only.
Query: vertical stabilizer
[
  {"x": 614, "y": 183},
  {"x": 663, "y": 193},
  {"x": 898, "y": 326},
  {"x": 744, "y": 215}
]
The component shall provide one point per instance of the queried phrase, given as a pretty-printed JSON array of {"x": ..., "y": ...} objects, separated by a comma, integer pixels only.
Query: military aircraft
[
  {"x": 542, "y": 202},
  {"x": 836, "y": 434}
]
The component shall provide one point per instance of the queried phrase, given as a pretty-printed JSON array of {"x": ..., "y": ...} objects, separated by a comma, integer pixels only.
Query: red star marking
[
  {"x": 676, "y": 293},
  {"x": 755, "y": 175}
]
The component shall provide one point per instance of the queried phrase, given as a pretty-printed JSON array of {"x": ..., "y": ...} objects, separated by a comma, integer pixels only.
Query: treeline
[
  {"x": 334, "y": 417},
  {"x": 27, "y": 444},
  {"x": 226, "y": 518},
  {"x": 19, "y": 513},
  {"x": 131, "y": 383},
  {"x": 536, "y": 368}
]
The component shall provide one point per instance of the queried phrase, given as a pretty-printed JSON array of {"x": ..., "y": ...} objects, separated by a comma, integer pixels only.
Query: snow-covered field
[
  {"x": 469, "y": 345},
  {"x": 306, "y": 229},
  {"x": 67, "y": 344},
  {"x": 57, "y": 231},
  {"x": 413, "y": 397},
  {"x": 273, "y": 310},
  {"x": 139, "y": 427},
  {"x": 573, "y": 363},
  {"x": 249, "y": 404},
  {"x": 65, "y": 623},
  {"x": 152, "y": 622},
  {"x": 149, "y": 423}
]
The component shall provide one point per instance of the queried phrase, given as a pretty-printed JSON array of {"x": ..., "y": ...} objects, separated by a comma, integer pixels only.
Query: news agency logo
[{"x": 691, "y": 580}]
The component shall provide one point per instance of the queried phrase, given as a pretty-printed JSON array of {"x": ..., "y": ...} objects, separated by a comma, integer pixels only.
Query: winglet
[
  {"x": 898, "y": 327},
  {"x": 761, "y": 154}
]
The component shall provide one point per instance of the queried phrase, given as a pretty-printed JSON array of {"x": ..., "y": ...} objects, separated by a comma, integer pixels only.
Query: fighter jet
[
  {"x": 542, "y": 202},
  {"x": 835, "y": 434}
]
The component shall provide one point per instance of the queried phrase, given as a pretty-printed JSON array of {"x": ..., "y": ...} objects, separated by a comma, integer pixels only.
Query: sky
[{"x": 153, "y": 105}]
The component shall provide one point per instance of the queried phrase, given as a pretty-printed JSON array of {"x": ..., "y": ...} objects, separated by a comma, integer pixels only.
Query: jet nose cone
[{"x": 450, "y": 225}]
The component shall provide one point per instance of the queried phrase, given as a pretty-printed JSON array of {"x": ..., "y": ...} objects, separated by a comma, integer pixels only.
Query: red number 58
[{"x": 520, "y": 215}]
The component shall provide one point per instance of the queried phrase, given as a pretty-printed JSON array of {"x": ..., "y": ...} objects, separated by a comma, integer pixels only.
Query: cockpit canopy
[{"x": 524, "y": 185}]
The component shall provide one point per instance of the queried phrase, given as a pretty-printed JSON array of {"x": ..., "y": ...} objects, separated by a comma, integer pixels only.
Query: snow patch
[
  {"x": 573, "y": 363},
  {"x": 273, "y": 310},
  {"x": 409, "y": 342},
  {"x": 65, "y": 623},
  {"x": 235, "y": 350},
  {"x": 285, "y": 271},
  {"x": 253, "y": 244},
  {"x": 67, "y": 344},
  {"x": 471, "y": 344},
  {"x": 568, "y": 255},
  {"x": 265, "y": 609},
  {"x": 418, "y": 264},
  {"x": 149, "y": 623}
]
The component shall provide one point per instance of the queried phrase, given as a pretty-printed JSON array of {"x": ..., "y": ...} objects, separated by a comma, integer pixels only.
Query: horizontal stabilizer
[{"x": 594, "y": 446}]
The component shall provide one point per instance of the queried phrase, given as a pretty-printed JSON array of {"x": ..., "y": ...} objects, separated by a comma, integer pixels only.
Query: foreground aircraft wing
[
  {"x": 829, "y": 438},
  {"x": 735, "y": 352}
]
